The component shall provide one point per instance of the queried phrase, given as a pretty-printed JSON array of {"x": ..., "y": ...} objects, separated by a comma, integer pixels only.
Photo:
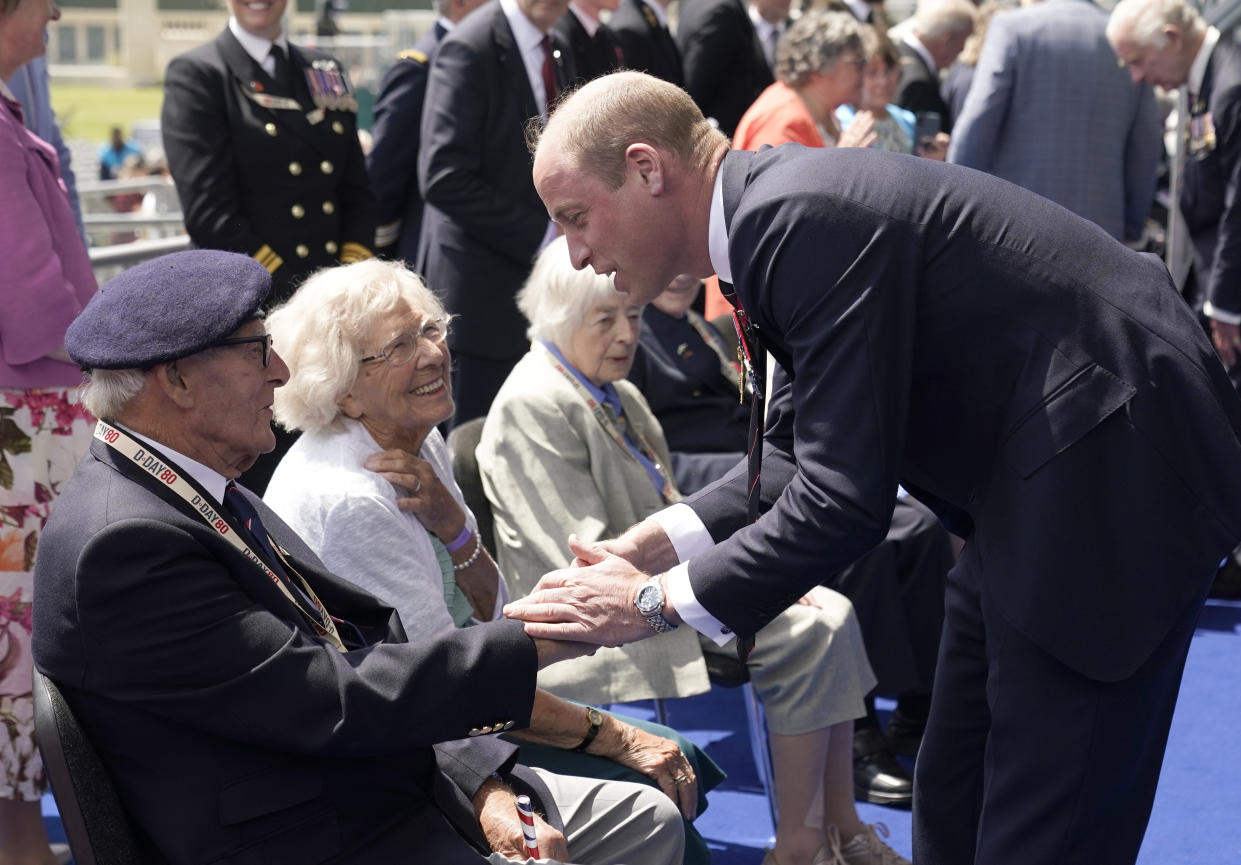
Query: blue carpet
[{"x": 1197, "y": 814}]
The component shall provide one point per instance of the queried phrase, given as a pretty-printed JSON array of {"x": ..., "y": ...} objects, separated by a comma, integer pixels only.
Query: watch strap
[{"x": 596, "y": 722}]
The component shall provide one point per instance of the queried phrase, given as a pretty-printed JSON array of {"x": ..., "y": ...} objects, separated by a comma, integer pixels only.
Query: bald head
[{"x": 594, "y": 127}]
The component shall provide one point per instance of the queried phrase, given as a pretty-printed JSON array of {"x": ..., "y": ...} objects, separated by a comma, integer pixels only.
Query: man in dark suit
[
  {"x": 1183, "y": 51},
  {"x": 251, "y": 706},
  {"x": 592, "y": 44},
  {"x": 393, "y": 161},
  {"x": 727, "y": 62},
  {"x": 641, "y": 26},
  {"x": 484, "y": 223},
  {"x": 262, "y": 142},
  {"x": 935, "y": 37},
  {"x": 1041, "y": 387}
]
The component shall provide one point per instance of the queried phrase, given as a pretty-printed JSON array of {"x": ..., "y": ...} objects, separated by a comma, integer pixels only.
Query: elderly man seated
[{"x": 251, "y": 706}]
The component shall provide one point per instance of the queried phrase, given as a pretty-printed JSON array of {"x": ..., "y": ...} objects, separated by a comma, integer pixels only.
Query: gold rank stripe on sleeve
[
  {"x": 412, "y": 54},
  {"x": 388, "y": 234},
  {"x": 267, "y": 257},
  {"x": 351, "y": 252}
]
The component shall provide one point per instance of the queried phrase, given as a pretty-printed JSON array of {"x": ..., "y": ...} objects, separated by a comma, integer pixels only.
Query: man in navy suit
[
  {"x": 1041, "y": 387},
  {"x": 1051, "y": 111},
  {"x": 483, "y": 222},
  {"x": 596, "y": 50},
  {"x": 251, "y": 706},
  {"x": 393, "y": 161},
  {"x": 641, "y": 27}
]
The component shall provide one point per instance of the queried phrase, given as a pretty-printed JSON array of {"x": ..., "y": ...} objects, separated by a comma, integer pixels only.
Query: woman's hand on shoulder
[{"x": 420, "y": 491}]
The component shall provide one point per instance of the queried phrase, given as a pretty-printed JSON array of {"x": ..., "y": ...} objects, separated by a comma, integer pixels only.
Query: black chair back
[
  {"x": 96, "y": 825},
  {"x": 462, "y": 442}
]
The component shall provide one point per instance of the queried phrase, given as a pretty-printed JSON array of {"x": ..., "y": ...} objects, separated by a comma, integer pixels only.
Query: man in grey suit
[{"x": 1052, "y": 111}]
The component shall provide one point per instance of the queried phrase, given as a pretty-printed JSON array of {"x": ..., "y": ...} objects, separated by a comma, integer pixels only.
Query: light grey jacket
[{"x": 550, "y": 469}]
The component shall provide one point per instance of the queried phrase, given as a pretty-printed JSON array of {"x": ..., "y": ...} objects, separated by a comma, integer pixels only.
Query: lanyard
[
  {"x": 608, "y": 422},
  {"x": 167, "y": 475},
  {"x": 729, "y": 368}
]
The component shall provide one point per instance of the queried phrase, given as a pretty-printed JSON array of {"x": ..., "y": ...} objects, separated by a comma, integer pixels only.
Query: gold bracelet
[{"x": 478, "y": 549}]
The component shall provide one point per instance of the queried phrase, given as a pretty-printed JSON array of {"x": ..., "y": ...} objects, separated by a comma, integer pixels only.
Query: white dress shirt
[
  {"x": 258, "y": 47},
  {"x": 916, "y": 44}
]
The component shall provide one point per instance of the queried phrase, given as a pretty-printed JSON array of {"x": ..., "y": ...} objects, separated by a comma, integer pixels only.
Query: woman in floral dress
[{"x": 45, "y": 281}]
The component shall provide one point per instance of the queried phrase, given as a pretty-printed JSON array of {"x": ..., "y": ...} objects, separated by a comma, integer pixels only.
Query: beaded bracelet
[
  {"x": 460, "y": 540},
  {"x": 478, "y": 549}
]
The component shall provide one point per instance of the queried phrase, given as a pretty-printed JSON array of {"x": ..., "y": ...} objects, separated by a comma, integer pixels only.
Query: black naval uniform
[{"x": 272, "y": 170}]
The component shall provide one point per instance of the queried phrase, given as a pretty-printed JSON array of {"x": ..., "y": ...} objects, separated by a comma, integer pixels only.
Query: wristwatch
[
  {"x": 596, "y": 721},
  {"x": 650, "y": 603}
]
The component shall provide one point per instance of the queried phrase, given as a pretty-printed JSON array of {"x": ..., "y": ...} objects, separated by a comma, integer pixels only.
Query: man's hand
[
  {"x": 496, "y": 807},
  {"x": 1227, "y": 339},
  {"x": 553, "y": 651},
  {"x": 645, "y": 546},
  {"x": 591, "y": 602}
]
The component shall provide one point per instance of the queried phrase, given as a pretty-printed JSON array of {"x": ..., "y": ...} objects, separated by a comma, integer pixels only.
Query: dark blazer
[
  {"x": 647, "y": 45},
  {"x": 919, "y": 87},
  {"x": 592, "y": 55},
  {"x": 483, "y": 222},
  {"x": 279, "y": 184},
  {"x": 725, "y": 68},
  {"x": 1041, "y": 387},
  {"x": 393, "y": 161},
  {"x": 1209, "y": 197},
  {"x": 234, "y": 733}
]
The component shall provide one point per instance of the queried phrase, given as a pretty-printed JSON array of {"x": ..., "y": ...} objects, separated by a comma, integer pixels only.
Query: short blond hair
[{"x": 596, "y": 124}]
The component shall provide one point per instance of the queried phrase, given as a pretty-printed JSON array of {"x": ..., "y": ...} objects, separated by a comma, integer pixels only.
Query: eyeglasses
[
  {"x": 264, "y": 338},
  {"x": 402, "y": 347}
]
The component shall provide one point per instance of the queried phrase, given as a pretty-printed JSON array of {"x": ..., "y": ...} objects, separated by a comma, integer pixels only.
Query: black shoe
[
  {"x": 904, "y": 734},
  {"x": 877, "y": 776},
  {"x": 1227, "y": 585}
]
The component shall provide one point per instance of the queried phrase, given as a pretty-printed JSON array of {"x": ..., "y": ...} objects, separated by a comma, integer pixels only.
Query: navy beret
[{"x": 169, "y": 307}]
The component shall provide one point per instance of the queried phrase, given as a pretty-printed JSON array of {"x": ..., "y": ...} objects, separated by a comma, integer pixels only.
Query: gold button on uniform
[
  {"x": 298, "y": 211},
  {"x": 338, "y": 127},
  {"x": 270, "y": 129},
  {"x": 302, "y": 250},
  {"x": 329, "y": 208},
  {"x": 326, "y": 167},
  {"x": 295, "y": 168},
  {"x": 331, "y": 247}
]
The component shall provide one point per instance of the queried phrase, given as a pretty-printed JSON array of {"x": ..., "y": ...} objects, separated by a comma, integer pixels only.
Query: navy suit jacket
[
  {"x": 1041, "y": 387},
  {"x": 592, "y": 55},
  {"x": 1209, "y": 198},
  {"x": 264, "y": 181},
  {"x": 648, "y": 46},
  {"x": 725, "y": 67},
  {"x": 234, "y": 733},
  {"x": 483, "y": 220},
  {"x": 393, "y": 161}
]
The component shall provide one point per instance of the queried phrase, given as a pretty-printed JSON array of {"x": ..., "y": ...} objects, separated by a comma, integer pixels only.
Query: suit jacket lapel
[
  {"x": 251, "y": 79},
  {"x": 513, "y": 67}
]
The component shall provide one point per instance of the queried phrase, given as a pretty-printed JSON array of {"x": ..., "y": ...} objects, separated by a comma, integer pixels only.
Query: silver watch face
[{"x": 650, "y": 599}]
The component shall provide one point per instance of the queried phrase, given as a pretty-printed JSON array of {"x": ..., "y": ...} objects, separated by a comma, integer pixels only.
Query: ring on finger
[
  {"x": 418, "y": 488},
  {"x": 681, "y": 779}
]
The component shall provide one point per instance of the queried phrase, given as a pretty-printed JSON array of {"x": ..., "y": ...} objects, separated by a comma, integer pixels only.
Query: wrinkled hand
[
  {"x": 644, "y": 545},
  {"x": 592, "y": 602},
  {"x": 935, "y": 148},
  {"x": 496, "y": 807},
  {"x": 429, "y": 500},
  {"x": 1227, "y": 339},
  {"x": 658, "y": 758},
  {"x": 861, "y": 132}
]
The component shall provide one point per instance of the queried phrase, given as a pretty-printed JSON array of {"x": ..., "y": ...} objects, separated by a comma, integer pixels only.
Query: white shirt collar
[
  {"x": 589, "y": 24},
  {"x": 208, "y": 478},
  {"x": 529, "y": 39},
  {"x": 659, "y": 11},
  {"x": 447, "y": 24},
  {"x": 717, "y": 230},
  {"x": 256, "y": 46},
  {"x": 916, "y": 44},
  {"x": 1198, "y": 70}
]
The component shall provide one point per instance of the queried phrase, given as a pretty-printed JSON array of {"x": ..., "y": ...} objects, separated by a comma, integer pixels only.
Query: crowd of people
[{"x": 881, "y": 471}]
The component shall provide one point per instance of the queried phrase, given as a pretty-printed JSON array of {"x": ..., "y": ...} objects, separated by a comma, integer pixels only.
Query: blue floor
[{"x": 1197, "y": 814}]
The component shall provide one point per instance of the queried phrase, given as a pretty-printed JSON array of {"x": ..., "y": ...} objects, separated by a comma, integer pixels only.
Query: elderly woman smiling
[
  {"x": 570, "y": 447},
  {"x": 369, "y": 486}
]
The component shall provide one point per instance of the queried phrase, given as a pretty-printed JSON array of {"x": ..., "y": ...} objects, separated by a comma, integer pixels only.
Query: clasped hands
[{"x": 591, "y": 601}]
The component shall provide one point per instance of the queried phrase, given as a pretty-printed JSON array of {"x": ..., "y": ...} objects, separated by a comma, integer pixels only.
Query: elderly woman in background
[
  {"x": 819, "y": 64},
  {"x": 894, "y": 127},
  {"x": 45, "y": 281},
  {"x": 369, "y": 487},
  {"x": 570, "y": 447}
]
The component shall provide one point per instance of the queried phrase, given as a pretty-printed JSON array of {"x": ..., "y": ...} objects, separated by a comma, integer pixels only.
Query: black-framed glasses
[
  {"x": 401, "y": 348},
  {"x": 264, "y": 338}
]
